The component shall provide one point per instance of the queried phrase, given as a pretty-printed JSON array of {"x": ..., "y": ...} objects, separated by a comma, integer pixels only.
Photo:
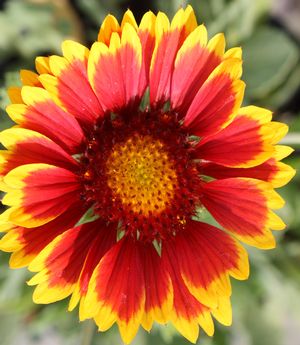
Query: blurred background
[{"x": 266, "y": 309}]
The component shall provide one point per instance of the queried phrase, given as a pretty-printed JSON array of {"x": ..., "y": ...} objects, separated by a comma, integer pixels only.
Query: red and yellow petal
[
  {"x": 146, "y": 32},
  {"x": 207, "y": 257},
  {"x": 4, "y": 161},
  {"x": 38, "y": 193},
  {"x": 41, "y": 114},
  {"x": 158, "y": 286},
  {"x": 277, "y": 173},
  {"x": 169, "y": 38},
  {"x": 9, "y": 242},
  {"x": 116, "y": 291},
  {"x": 59, "y": 264},
  {"x": 246, "y": 142},
  {"x": 187, "y": 312},
  {"x": 27, "y": 243},
  {"x": 69, "y": 84},
  {"x": 195, "y": 61},
  {"x": 105, "y": 239},
  {"x": 114, "y": 71},
  {"x": 26, "y": 146},
  {"x": 217, "y": 101},
  {"x": 243, "y": 207}
]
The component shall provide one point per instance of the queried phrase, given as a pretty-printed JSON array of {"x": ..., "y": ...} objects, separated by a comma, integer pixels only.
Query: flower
[{"x": 142, "y": 132}]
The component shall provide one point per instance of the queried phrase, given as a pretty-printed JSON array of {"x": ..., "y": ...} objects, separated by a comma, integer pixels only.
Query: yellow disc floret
[{"x": 142, "y": 175}]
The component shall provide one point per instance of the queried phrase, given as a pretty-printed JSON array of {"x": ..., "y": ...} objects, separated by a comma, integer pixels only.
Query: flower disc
[{"x": 140, "y": 171}]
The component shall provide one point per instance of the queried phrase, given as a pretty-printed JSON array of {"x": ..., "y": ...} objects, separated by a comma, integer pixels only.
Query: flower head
[{"x": 143, "y": 131}]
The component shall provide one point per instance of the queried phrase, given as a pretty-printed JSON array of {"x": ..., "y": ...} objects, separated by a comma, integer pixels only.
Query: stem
[{"x": 88, "y": 332}]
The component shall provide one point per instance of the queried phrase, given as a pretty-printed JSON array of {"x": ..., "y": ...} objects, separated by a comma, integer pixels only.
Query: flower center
[
  {"x": 138, "y": 170},
  {"x": 142, "y": 175}
]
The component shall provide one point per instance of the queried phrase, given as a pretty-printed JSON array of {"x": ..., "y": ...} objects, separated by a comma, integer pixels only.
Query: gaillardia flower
[{"x": 142, "y": 131}]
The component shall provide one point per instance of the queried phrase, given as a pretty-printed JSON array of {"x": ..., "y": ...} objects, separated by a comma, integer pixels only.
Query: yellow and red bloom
[{"x": 88, "y": 139}]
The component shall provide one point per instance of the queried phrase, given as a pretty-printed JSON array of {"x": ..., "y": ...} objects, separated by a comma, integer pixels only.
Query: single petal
[
  {"x": 41, "y": 114},
  {"x": 223, "y": 313},
  {"x": 14, "y": 94},
  {"x": 159, "y": 293},
  {"x": 169, "y": 38},
  {"x": 282, "y": 151},
  {"x": 277, "y": 173},
  {"x": 187, "y": 312},
  {"x": 27, "y": 243},
  {"x": 116, "y": 291},
  {"x": 217, "y": 101},
  {"x": 207, "y": 257},
  {"x": 128, "y": 17},
  {"x": 26, "y": 146},
  {"x": 243, "y": 207},
  {"x": 38, "y": 193},
  {"x": 29, "y": 78},
  {"x": 235, "y": 52},
  {"x": 59, "y": 264},
  {"x": 217, "y": 45},
  {"x": 146, "y": 32},
  {"x": 247, "y": 141},
  {"x": 114, "y": 71}
]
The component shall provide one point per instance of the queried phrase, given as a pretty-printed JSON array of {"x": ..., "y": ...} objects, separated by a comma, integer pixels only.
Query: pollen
[{"x": 142, "y": 175}]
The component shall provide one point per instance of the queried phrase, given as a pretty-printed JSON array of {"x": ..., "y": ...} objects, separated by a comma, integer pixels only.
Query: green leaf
[{"x": 269, "y": 57}]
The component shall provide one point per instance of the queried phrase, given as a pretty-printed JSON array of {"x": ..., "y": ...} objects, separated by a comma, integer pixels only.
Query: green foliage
[
  {"x": 274, "y": 68},
  {"x": 27, "y": 29}
]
